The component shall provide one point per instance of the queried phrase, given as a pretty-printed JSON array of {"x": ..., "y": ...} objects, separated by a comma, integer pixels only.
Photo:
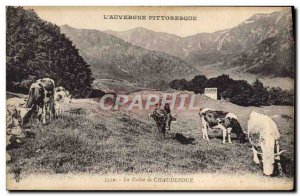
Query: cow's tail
[{"x": 237, "y": 129}]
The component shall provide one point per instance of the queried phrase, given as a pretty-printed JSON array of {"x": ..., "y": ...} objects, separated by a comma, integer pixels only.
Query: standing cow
[
  {"x": 264, "y": 137},
  {"x": 226, "y": 121},
  {"x": 41, "y": 97},
  {"x": 160, "y": 117}
]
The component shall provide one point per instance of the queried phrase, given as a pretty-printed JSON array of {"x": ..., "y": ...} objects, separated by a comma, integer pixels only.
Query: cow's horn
[{"x": 279, "y": 153}]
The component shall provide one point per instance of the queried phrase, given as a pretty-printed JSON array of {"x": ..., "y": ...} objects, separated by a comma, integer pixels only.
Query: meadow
[{"x": 119, "y": 142}]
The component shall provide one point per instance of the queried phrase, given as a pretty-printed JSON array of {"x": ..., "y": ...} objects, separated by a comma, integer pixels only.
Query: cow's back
[
  {"x": 211, "y": 117},
  {"x": 263, "y": 125},
  {"x": 262, "y": 130}
]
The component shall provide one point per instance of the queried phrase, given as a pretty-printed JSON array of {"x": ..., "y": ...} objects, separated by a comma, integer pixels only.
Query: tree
[
  {"x": 260, "y": 93},
  {"x": 198, "y": 84},
  {"x": 37, "y": 49}
]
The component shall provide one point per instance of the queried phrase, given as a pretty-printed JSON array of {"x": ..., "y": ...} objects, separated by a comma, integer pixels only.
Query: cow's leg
[
  {"x": 159, "y": 133},
  {"x": 50, "y": 109},
  {"x": 224, "y": 130},
  {"x": 204, "y": 129},
  {"x": 168, "y": 122},
  {"x": 164, "y": 132},
  {"x": 44, "y": 111},
  {"x": 277, "y": 159},
  {"x": 229, "y": 134},
  {"x": 255, "y": 157}
]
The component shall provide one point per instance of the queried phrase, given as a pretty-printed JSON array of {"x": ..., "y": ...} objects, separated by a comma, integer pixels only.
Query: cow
[
  {"x": 41, "y": 97},
  {"x": 226, "y": 121},
  {"x": 160, "y": 117},
  {"x": 264, "y": 137},
  {"x": 17, "y": 113},
  {"x": 62, "y": 95}
]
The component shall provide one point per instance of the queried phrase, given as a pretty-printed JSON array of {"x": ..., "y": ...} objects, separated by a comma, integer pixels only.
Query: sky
[{"x": 209, "y": 19}]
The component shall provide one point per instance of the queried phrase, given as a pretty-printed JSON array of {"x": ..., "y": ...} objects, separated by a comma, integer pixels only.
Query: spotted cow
[{"x": 226, "y": 121}]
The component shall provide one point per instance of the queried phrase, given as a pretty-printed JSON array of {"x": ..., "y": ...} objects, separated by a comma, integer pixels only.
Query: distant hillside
[
  {"x": 113, "y": 58},
  {"x": 263, "y": 44},
  {"x": 36, "y": 49},
  {"x": 150, "y": 40}
]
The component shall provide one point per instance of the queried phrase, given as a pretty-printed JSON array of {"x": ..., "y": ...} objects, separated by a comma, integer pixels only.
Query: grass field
[{"x": 118, "y": 142}]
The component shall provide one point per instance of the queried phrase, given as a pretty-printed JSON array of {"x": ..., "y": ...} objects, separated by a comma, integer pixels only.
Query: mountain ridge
[
  {"x": 226, "y": 45},
  {"x": 114, "y": 58}
]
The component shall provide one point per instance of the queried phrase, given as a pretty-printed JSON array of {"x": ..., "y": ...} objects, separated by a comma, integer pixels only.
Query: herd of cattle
[
  {"x": 44, "y": 103},
  {"x": 262, "y": 133}
]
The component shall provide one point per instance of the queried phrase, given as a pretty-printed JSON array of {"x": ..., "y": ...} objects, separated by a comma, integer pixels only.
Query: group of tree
[
  {"x": 37, "y": 49},
  {"x": 239, "y": 92}
]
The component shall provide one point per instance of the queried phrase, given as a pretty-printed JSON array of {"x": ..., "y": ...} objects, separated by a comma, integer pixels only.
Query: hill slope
[
  {"x": 118, "y": 142},
  {"x": 113, "y": 58}
]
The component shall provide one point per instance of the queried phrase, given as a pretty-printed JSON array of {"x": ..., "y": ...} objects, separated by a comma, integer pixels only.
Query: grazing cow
[
  {"x": 264, "y": 137},
  {"x": 226, "y": 121},
  {"x": 41, "y": 97},
  {"x": 160, "y": 117}
]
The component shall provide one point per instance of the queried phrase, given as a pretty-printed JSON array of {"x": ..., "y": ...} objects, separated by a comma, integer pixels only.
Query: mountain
[
  {"x": 263, "y": 44},
  {"x": 37, "y": 49},
  {"x": 113, "y": 58},
  {"x": 150, "y": 40}
]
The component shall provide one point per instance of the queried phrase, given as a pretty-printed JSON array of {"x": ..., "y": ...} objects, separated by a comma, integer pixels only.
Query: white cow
[
  {"x": 264, "y": 138},
  {"x": 62, "y": 95}
]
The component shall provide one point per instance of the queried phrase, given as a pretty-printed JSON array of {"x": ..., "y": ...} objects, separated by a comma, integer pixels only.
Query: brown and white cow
[
  {"x": 41, "y": 97},
  {"x": 264, "y": 137},
  {"x": 226, "y": 121},
  {"x": 160, "y": 117}
]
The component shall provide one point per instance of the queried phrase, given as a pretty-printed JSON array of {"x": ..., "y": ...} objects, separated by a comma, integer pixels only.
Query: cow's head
[
  {"x": 268, "y": 159},
  {"x": 237, "y": 129},
  {"x": 269, "y": 155},
  {"x": 36, "y": 94},
  {"x": 241, "y": 136}
]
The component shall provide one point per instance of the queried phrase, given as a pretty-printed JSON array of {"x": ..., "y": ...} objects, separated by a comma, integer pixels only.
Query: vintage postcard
[{"x": 150, "y": 98}]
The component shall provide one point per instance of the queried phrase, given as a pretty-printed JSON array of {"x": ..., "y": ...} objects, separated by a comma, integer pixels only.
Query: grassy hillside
[{"x": 117, "y": 142}]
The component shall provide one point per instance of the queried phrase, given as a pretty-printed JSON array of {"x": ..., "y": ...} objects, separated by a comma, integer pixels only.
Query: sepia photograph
[{"x": 157, "y": 98}]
